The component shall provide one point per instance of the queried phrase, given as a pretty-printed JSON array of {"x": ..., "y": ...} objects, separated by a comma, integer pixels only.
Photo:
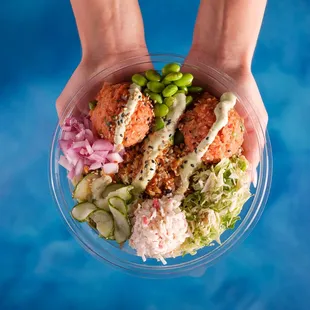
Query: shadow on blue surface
[{"x": 42, "y": 267}]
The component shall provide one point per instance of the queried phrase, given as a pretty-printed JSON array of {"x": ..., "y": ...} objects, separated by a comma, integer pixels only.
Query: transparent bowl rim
[{"x": 246, "y": 225}]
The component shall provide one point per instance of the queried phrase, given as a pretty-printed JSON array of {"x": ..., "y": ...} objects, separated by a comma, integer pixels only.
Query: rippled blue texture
[{"x": 43, "y": 267}]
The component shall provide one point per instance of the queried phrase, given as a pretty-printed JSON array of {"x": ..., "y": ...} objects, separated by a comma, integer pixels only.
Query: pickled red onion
[{"x": 81, "y": 148}]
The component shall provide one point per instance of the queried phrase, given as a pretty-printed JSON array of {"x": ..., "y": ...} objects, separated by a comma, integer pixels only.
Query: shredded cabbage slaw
[{"x": 219, "y": 193}]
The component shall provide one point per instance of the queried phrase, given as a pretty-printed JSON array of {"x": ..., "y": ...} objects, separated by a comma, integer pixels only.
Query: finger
[
  {"x": 75, "y": 83},
  {"x": 86, "y": 82}
]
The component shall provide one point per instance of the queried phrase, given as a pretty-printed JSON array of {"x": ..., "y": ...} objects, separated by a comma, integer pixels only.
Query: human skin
[
  {"x": 109, "y": 31},
  {"x": 225, "y": 36}
]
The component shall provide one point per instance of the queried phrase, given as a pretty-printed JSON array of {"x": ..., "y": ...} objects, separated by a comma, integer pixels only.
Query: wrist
[
  {"x": 94, "y": 57},
  {"x": 229, "y": 61},
  {"x": 108, "y": 27}
]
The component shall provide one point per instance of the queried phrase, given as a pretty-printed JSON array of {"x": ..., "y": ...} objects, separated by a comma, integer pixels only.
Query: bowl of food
[{"x": 147, "y": 166}]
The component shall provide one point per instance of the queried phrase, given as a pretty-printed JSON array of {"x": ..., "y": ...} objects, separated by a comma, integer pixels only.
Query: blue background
[{"x": 42, "y": 266}]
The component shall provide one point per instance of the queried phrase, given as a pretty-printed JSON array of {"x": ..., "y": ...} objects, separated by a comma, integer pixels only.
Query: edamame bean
[
  {"x": 146, "y": 92},
  {"x": 195, "y": 89},
  {"x": 92, "y": 104},
  {"x": 181, "y": 91},
  {"x": 189, "y": 100},
  {"x": 161, "y": 110},
  {"x": 172, "y": 67},
  {"x": 173, "y": 76},
  {"x": 159, "y": 124},
  {"x": 155, "y": 87},
  {"x": 139, "y": 79},
  {"x": 165, "y": 82},
  {"x": 170, "y": 90},
  {"x": 157, "y": 98},
  {"x": 186, "y": 79},
  {"x": 152, "y": 75},
  {"x": 169, "y": 102},
  {"x": 184, "y": 88}
]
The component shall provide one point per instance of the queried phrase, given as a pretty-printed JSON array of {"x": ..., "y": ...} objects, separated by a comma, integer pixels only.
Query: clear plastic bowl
[{"x": 108, "y": 251}]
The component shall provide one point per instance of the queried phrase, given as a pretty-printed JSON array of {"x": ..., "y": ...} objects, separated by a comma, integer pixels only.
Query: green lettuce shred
[{"x": 219, "y": 193}]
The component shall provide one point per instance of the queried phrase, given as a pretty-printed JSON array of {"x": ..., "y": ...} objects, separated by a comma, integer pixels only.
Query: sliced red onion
[
  {"x": 78, "y": 144},
  {"x": 64, "y": 145},
  {"x": 71, "y": 174},
  {"x": 87, "y": 162},
  {"x": 65, "y": 163},
  {"x": 72, "y": 121},
  {"x": 68, "y": 135},
  {"x": 78, "y": 126},
  {"x": 83, "y": 151},
  {"x": 122, "y": 151},
  {"x": 89, "y": 135},
  {"x": 95, "y": 157},
  {"x": 102, "y": 145},
  {"x": 72, "y": 156},
  {"x": 81, "y": 148},
  {"x": 80, "y": 136},
  {"x": 110, "y": 168},
  {"x": 88, "y": 147},
  {"x": 103, "y": 154},
  {"x": 66, "y": 128},
  {"x": 95, "y": 166},
  {"x": 114, "y": 158},
  {"x": 79, "y": 167}
]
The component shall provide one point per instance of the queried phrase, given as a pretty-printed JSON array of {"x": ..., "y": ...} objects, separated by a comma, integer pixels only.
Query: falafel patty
[
  {"x": 111, "y": 101},
  {"x": 196, "y": 123}
]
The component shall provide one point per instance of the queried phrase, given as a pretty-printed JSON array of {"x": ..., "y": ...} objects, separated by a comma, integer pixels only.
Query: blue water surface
[{"x": 43, "y": 267}]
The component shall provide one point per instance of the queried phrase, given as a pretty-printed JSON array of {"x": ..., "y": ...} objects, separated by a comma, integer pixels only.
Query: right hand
[{"x": 247, "y": 86}]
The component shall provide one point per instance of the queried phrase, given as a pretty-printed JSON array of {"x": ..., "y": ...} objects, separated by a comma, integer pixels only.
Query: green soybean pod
[
  {"x": 186, "y": 80},
  {"x": 189, "y": 100},
  {"x": 155, "y": 87},
  {"x": 157, "y": 98},
  {"x": 139, "y": 79},
  {"x": 173, "y": 76},
  {"x": 184, "y": 88},
  {"x": 170, "y": 90},
  {"x": 161, "y": 110},
  {"x": 165, "y": 82},
  {"x": 172, "y": 67},
  {"x": 146, "y": 92},
  {"x": 159, "y": 124},
  {"x": 169, "y": 101},
  {"x": 195, "y": 89},
  {"x": 152, "y": 75}
]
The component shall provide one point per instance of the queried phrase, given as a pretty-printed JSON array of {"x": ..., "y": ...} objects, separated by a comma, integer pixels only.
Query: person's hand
[
  {"x": 110, "y": 31},
  {"x": 87, "y": 69},
  {"x": 247, "y": 86},
  {"x": 225, "y": 36}
]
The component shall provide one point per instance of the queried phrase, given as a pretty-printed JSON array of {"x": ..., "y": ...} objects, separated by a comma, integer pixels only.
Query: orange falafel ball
[
  {"x": 111, "y": 101},
  {"x": 196, "y": 123}
]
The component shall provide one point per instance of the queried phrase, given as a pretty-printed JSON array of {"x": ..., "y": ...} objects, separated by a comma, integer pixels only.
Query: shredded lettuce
[{"x": 219, "y": 193}]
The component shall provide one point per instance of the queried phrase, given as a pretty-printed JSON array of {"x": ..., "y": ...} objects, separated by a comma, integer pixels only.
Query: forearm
[
  {"x": 226, "y": 31},
  {"x": 108, "y": 27}
]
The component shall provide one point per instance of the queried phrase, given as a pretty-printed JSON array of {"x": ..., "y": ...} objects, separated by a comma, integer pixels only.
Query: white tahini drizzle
[
  {"x": 157, "y": 143},
  {"x": 192, "y": 160},
  {"x": 124, "y": 117}
]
